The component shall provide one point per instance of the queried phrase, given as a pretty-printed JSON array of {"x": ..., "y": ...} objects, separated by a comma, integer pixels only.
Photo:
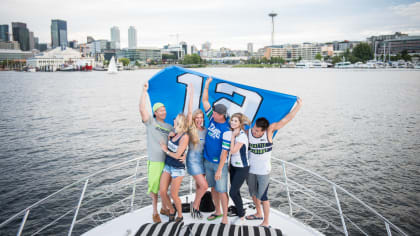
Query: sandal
[
  {"x": 196, "y": 214},
  {"x": 179, "y": 219},
  {"x": 172, "y": 217},
  {"x": 164, "y": 212},
  {"x": 213, "y": 217},
  {"x": 253, "y": 217},
  {"x": 156, "y": 218}
]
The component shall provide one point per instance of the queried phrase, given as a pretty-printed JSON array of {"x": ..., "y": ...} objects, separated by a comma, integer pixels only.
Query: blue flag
[{"x": 169, "y": 86}]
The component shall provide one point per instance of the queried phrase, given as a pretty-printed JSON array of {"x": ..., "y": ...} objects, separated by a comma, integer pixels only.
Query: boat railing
[
  {"x": 328, "y": 205},
  {"x": 303, "y": 194}
]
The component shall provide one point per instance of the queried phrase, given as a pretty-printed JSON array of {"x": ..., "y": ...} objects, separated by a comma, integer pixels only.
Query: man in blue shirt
[{"x": 215, "y": 163}]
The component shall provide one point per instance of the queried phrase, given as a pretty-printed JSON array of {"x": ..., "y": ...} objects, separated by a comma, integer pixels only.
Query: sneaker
[{"x": 156, "y": 218}]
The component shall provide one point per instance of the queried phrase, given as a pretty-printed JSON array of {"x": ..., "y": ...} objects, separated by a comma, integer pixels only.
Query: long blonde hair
[
  {"x": 193, "y": 130},
  {"x": 181, "y": 124},
  {"x": 242, "y": 119}
]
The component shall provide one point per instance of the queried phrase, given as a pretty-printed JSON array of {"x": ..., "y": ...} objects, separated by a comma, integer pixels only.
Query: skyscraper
[
  {"x": 132, "y": 37},
  {"x": 115, "y": 37},
  {"x": 4, "y": 33},
  {"x": 31, "y": 40},
  {"x": 58, "y": 33},
  {"x": 21, "y": 35},
  {"x": 250, "y": 48}
]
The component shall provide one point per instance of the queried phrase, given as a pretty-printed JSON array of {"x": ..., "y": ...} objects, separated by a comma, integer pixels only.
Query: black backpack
[{"x": 206, "y": 204}]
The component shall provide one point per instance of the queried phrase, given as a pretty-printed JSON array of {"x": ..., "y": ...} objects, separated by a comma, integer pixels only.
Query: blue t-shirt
[{"x": 214, "y": 138}]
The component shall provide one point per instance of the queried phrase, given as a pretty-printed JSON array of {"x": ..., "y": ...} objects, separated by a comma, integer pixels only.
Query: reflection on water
[{"x": 358, "y": 128}]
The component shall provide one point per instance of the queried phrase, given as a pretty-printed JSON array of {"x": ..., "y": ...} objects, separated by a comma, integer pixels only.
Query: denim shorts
[
  {"x": 195, "y": 163},
  {"x": 258, "y": 186},
  {"x": 173, "y": 171},
  {"x": 211, "y": 169}
]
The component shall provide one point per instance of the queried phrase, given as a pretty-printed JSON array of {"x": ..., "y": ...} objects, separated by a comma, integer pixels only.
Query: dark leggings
[{"x": 238, "y": 176}]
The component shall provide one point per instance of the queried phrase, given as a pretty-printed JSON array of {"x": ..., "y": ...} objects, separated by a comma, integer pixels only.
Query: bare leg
[
  {"x": 165, "y": 179},
  {"x": 201, "y": 188},
  {"x": 266, "y": 208},
  {"x": 216, "y": 201},
  {"x": 154, "y": 197},
  {"x": 224, "y": 200},
  {"x": 257, "y": 203},
  {"x": 175, "y": 185}
]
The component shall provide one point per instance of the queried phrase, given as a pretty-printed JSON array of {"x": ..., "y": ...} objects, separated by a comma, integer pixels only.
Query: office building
[
  {"x": 141, "y": 54},
  {"x": 184, "y": 47},
  {"x": 115, "y": 38},
  {"x": 410, "y": 44},
  {"x": 4, "y": 33},
  {"x": 21, "y": 35},
  {"x": 132, "y": 37},
  {"x": 11, "y": 45},
  {"x": 31, "y": 41},
  {"x": 250, "y": 48},
  {"x": 58, "y": 33}
]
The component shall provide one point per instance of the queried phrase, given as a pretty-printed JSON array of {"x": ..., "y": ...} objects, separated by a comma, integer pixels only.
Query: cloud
[{"x": 411, "y": 11}]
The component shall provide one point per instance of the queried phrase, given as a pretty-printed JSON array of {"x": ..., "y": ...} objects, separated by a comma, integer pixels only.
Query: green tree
[
  {"x": 336, "y": 59},
  {"x": 318, "y": 56},
  {"x": 191, "y": 59},
  {"x": 124, "y": 61},
  {"x": 363, "y": 52},
  {"x": 405, "y": 56}
]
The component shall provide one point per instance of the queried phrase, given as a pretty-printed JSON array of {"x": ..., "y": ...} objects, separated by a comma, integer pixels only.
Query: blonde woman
[
  {"x": 239, "y": 162},
  {"x": 195, "y": 158},
  {"x": 174, "y": 169}
]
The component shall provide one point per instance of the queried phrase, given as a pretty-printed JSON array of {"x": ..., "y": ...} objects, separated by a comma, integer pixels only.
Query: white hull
[{"x": 128, "y": 224}]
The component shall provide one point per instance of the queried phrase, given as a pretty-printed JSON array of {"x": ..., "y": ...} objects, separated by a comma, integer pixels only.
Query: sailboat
[{"x": 112, "y": 67}]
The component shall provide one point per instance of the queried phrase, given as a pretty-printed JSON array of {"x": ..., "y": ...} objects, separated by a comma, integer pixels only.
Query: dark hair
[{"x": 262, "y": 123}]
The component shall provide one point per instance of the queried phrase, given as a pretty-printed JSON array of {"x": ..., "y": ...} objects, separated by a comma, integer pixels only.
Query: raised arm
[
  {"x": 142, "y": 106},
  {"x": 280, "y": 124},
  {"x": 205, "y": 100},
  {"x": 190, "y": 91}
]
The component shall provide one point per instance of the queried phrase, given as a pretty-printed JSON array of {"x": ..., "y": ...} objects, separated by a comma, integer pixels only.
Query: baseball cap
[{"x": 220, "y": 108}]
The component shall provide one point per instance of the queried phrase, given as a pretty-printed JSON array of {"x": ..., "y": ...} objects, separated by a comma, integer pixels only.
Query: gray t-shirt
[
  {"x": 200, "y": 145},
  {"x": 157, "y": 132}
]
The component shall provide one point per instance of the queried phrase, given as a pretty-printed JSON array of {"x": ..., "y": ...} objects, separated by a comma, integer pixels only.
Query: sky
[{"x": 232, "y": 24}]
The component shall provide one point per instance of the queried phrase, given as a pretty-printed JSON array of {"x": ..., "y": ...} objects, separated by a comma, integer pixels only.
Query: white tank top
[{"x": 259, "y": 154}]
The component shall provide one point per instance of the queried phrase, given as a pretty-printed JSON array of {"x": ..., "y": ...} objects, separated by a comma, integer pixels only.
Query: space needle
[{"x": 272, "y": 15}]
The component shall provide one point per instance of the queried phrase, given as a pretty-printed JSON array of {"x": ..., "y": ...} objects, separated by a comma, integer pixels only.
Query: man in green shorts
[{"x": 157, "y": 132}]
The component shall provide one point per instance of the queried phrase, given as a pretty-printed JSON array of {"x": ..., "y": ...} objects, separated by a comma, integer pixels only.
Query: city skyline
[{"x": 232, "y": 25}]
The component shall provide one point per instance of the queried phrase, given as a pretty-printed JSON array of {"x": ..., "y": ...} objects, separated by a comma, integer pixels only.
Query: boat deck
[{"x": 128, "y": 224}]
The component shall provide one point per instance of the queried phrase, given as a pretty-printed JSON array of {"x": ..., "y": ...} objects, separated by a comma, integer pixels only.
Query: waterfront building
[
  {"x": 411, "y": 44},
  {"x": 14, "y": 58},
  {"x": 11, "y": 45},
  {"x": 293, "y": 52},
  {"x": 73, "y": 44},
  {"x": 90, "y": 39},
  {"x": 132, "y": 37},
  {"x": 42, "y": 47},
  {"x": 173, "y": 49},
  {"x": 58, "y": 33},
  {"x": 143, "y": 55},
  {"x": 184, "y": 48},
  {"x": 59, "y": 57},
  {"x": 194, "y": 49},
  {"x": 21, "y": 35},
  {"x": 373, "y": 39},
  {"x": 250, "y": 48},
  {"x": 327, "y": 50},
  {"x": 115, "y": 37},
  {"x": 99, "y": 46},
  {"x": 206, "y": 46},
  {"x": 4, "y": 33}
]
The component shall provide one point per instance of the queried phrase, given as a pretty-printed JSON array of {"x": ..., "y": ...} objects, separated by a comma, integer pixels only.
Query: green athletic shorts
[{"x": 154, "y": 171}]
